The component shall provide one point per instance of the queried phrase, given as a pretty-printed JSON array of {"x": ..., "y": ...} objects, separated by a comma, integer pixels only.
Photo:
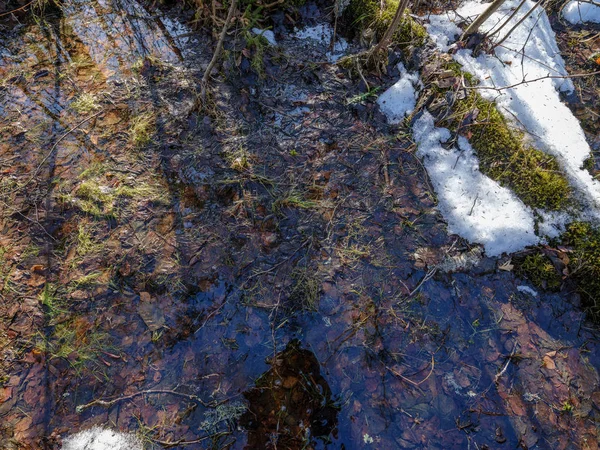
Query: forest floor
[{"x": 268, "y": 272}]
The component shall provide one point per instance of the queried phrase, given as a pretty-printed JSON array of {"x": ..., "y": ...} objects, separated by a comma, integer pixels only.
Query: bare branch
[
  {"x": 482, "y": 18},
  {"x": 518, "y": 23}
]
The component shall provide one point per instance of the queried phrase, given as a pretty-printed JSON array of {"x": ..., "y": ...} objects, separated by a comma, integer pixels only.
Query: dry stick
[
  {"x": 389, "y": 33},
  {"x": 109, "y": 403},
  {"x": 518, "y": 23},
  {"x": 514, "y": 13},
  {"x": 218, "y": 50},
  {"x": 482, "y": 18}
]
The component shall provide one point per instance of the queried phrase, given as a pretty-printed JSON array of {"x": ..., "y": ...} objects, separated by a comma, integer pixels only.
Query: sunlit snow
[
  {"x": 524, "y": 77},
  {"x": 578, "y": 12},
  {"x": 97, "y": 438},
  {"x": 401, "y": 98}
]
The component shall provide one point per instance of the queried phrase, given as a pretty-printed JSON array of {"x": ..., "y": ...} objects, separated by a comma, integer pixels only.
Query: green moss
[
  {"x": 365, "y": 15},
  {"x": 503, "y": 156},
  {"x": 584, "y": 263},
  {"x": 589, "y": 163},
  {"x": 85, "y": 104},
  {"x": 540, "y": 271}
]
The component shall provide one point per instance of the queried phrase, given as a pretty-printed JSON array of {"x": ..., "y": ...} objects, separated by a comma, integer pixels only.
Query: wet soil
[{"x": 268, "y": 272}]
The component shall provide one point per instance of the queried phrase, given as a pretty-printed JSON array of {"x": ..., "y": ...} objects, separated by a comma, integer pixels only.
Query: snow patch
[
  {"x": 579, "y": 12},
  {"x": 323, "y": 34},
  {"x": 400, "y": 99},
  {"x": 527, "y": 290},
  {"x": 97, "y": 438},
  {"x": 530, "y": 53},
  {"x": 267, "y": 34},
  {"x": 476, "y": 207}
]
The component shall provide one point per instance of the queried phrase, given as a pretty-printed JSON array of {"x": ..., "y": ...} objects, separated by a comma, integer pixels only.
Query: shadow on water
[
  {"x": 260, "y": 265},
  {"x": 291, "y": 405}
]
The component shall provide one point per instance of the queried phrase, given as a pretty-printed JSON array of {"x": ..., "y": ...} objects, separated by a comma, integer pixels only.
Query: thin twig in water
[
  {"x": 427, "y": 276},
  {"x": 194, "y": 441},
  {"x": 508, "y": 359},
  {"x": 408, "y": 380},
  {"x": 109, "y": 403}
]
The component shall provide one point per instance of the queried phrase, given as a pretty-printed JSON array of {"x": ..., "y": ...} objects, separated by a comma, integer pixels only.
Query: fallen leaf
[{"x": 549, "y": 362}]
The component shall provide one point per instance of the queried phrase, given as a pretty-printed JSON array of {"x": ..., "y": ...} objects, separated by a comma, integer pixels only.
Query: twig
[
  {"x": 508, "y": 359},
  {"x": 561, "y": 77},
  {"x": 518, "y": 23},
  {"x": 509, "y": 19},
  {"x": 194, "y": 441},
  {"x": 109, "y": 403},
  {"x": 17, "y": 9},
  {"x": 389, "y": 33},
  {"x": 218, "y": 50},
  {"x": 474, "y": 202},
  {"x": 427, "y": 276},
  {"x": 361, "y": 75},
  {"x": 408, "y": 380}
]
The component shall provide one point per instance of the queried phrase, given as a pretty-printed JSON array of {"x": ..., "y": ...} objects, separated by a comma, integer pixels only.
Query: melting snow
[
  {"x": 527, "y": 290},
  {"x": 267, "y": 34},
  {"x": 475, "y": 206},
  {"x": 322, "y": 34},
  {"x": 578, "y": 12},
  {"x": 97, "y": 438},
  {"x": 401, "y": 98}
]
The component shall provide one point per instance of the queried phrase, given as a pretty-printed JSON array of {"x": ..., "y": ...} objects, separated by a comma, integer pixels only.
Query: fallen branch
[
  {"x": 218, "y": 50},
  {"x": 109, "y": 403}
]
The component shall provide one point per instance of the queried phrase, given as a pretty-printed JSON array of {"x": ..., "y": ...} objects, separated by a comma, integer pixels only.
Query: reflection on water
[{"x": 291, "y": 404}]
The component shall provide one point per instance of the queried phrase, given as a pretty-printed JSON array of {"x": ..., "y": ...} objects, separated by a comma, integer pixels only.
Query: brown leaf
[
  {"x": 5, "y": 394},
  {"x": 549, "y": 362}
]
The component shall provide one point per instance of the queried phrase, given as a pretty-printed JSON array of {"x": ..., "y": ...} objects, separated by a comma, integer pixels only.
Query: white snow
[
  {"x": 267, "y": 34},
  {"x": 476, "y": 207},
  {"x": 498, "y": 220},
  {"x": 322, "y": 35},
  {"x": 400, "y": 99},
  {"x": 97, "y": 438},
  {"x": 579, "y": 12},
  {"x": 527, "y": 290}
]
